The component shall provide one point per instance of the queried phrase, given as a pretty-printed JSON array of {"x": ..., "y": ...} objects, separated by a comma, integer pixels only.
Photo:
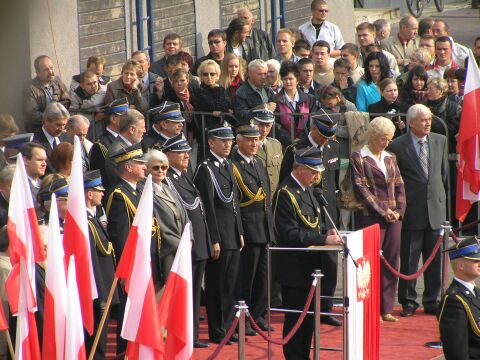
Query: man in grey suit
[{"x": 422, "y": 159}]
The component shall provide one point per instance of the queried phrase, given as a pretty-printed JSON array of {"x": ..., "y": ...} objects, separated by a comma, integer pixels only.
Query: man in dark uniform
[
  {"x": 167, "y": 121},
  {"x": 179, "y": 181},
  {"x": 103, "y": 259},
  {"x": 459, "y": 313},
  {"x": 217, "y": 186},
  {"x": 122, "y": 202},
  {"x": 99, "y": 150},
  {"x": 297, "y": 224},
  {"x": 321, "y": 136},
  {"x": 254, "y": 196}
]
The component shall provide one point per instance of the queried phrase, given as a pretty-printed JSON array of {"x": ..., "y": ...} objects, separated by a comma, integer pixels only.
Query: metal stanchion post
[
  {"x": 316, "y": 347},
  {"x": 269, "y": 295},
  {"x": 242, "y": 307},
  {"x": 346, "y": 300},
  {"x": 444, "y": 263}
]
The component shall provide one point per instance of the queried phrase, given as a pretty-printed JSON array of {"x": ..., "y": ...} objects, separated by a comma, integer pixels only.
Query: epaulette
[
  {"x": 270, "y": 138},
  {"x": 103, "y": 148}
]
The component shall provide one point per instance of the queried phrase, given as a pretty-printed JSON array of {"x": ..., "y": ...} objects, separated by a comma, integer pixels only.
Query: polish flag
[
  {"x": 26, "y": 341},
  {"x": 468, "y": 176},
  {"x": 55, "y": 308},
  {"x": 76, "y": 241},
  {"x": 176, "y": 304},
  {"x": 141, "y": 325},
  {"x": 74, "y": 340},
  {"x": 363, "y": 291},
  {"x": 23, "y": 233},
  {"x": 3, "y": 320}
]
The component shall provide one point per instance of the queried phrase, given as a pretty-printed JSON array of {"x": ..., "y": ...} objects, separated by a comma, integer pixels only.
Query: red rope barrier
[
  {"x": 422, "y": 269},
  {"x": 454, "y": 237},
  {"x": 292, "y": 332},
  {"x": 225, "y": 339}
]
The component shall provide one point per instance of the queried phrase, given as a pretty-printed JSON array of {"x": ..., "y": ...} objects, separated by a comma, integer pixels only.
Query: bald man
[{"x": 405, "y": 42}]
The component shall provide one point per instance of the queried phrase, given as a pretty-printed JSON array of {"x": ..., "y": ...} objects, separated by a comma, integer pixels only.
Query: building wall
[{"x": 102, "y": 31}]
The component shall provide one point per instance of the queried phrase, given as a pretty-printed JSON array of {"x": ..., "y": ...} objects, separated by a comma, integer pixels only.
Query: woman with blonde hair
[{"x": 232, "y": 73}]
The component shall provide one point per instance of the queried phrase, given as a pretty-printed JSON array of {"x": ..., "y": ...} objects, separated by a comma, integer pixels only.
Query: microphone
[{"x": 319, "y": 195}]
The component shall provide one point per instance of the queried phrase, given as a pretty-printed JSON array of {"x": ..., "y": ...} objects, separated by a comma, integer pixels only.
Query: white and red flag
[
  {"x": 363, "y": 291},
  {"x": 23, "y": 234},
  {"x": 468, "y": 176},
  {"x": 176, "y": 304},
  {"x": 55, "y": 303},
  {"x": 74, "y": 339},
  {"x": 76, "y": 241},
  {"x": 26, "y": 341},
  {"x": 141, "y": 325},
  {"x": 3, "y": 320}
]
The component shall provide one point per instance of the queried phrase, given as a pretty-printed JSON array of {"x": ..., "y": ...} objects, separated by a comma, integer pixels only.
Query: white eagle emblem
[{"x": 364, "y": 276}]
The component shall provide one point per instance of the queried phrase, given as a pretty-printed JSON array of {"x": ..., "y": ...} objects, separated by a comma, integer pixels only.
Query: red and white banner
[
  {"x": 468, "y": 142},
  {"x": 23, "y": 234},
  {"x": 363, "y": 291},
  {"x": 76, "y": 241},
  {"x": 176, "y": 304},
  {"x": 26, "y": 342},
  {"x": 55, "y": 306},
  {"x": 141, "y": 326},
  {"x": 3, "y": 320},
  {"x": 74, "y": 340}
]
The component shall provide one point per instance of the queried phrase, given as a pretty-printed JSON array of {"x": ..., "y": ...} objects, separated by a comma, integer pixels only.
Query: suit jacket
[
  {"x": 331, "y": 162},
  {"x": 271, "y": 157},
  {"x": 291, "y": 231},
  {"x": 256, "y": 217},
  {"x": 186, "y": 190},
  {"x": 149, "y": 89},
  {"x": 40, "y": 137},
  {"x": 223, "y": 218},
  {"x": 122, "y": 202},
  {"x": 426, "y": 198},
  {"x": 458, "y": 322},
  {"x": 150, "y": 138},
  {"x": 103, "y": 264},
  {"x": 99, "y": 153},
  {"x": 372, "y": 189}
]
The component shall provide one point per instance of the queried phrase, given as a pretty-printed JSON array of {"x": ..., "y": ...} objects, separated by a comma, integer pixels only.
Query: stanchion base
[{"x": 434, "y": 344}]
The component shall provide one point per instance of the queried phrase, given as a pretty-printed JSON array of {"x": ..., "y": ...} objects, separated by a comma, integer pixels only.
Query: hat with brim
[
  {"x": 326, "y": 124},
  {"x": 93, "y": 180},
  {"x": 117, "y": 107},
  {"x": 468, "y": 248},
  {"x": 134, "y": 153},
  {"x": 309, "y": 157},
  {"x": 248, "y": 130},
  {"x": 177, "y": 144},
  {"x": 168, "y": 111},
  {"x": 59, "y": 187},
  {"x": 263, "y": 115},
  {"x": 223, "y": 131},
  {"x": 17, "y": 141}
]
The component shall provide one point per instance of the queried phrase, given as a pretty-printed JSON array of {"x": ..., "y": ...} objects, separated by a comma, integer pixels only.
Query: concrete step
[{"x": 372, "y": 14}]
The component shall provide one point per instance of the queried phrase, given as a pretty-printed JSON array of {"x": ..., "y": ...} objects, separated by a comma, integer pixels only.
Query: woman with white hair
[
  {"x": 378, "y": 185},
  {"x": 273, "y": 75}
]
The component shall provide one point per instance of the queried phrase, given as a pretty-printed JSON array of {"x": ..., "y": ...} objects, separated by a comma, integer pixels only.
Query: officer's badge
[
  {"x": 216, "y": 163},
  {"x": 175, "y": 176}
]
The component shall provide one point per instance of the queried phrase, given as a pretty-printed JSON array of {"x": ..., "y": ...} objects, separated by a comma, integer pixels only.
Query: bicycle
[{"x": 415, "y": 7}]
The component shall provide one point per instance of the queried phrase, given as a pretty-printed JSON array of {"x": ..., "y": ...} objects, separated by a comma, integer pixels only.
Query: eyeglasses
[
  {"x": 216, "y": 42},
  {"x": 158, "y": 167},
  {"x": 209, "y": 74}
]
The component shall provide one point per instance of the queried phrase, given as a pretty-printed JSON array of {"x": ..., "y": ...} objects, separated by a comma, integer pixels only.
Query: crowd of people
[{"x": 250, "y": 144}]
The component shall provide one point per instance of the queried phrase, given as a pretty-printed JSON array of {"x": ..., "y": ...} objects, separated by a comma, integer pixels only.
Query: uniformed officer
[
  {"x": 270, "y": 150},
  {"x": 459, "y": 313},
  {"x": 254, "y": 196},
  {"x": 218, "y": 188},
  {"x": 103, "y": 259},
  {"x": 121, "y": 207},
  {"x": 178, "y": 151},
  {"x": 297, "y": 224},
  {"x": 99, "y": 150},
  {"x": 167, "y": 121},
  {"x": 321, "y": 136}
]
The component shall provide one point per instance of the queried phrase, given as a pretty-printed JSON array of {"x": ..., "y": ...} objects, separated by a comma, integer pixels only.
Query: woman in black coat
[{"x": 390, "y": 106}]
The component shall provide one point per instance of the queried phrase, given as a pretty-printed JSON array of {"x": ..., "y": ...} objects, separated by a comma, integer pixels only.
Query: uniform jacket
[
  {"x": 223, "y": 218},
  {"x": 458, "y": 319},
  {"x": 271, "y": 157},
  {"x": 373, "y": 190},
  {"x": 35, "y": 101},
  {"x": 136, "y": 100},
  {"x": 246, "y": 98},
  {"x": 186, "y": 190},
  {"x": 111, "y": 177},
  {"x": 291, "y": 231},
  {"x": 256, "y": 217},
  {"x": 150, "y": 138},
  {"x": 426, "y": 198},
  {"x": 99, "y": 153},
  {"x": 331, "y": 162}
]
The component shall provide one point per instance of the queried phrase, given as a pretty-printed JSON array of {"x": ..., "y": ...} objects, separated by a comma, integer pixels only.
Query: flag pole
[
  {"x": 9, "y": 343},
  {"x": 102, "y": 320}
]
